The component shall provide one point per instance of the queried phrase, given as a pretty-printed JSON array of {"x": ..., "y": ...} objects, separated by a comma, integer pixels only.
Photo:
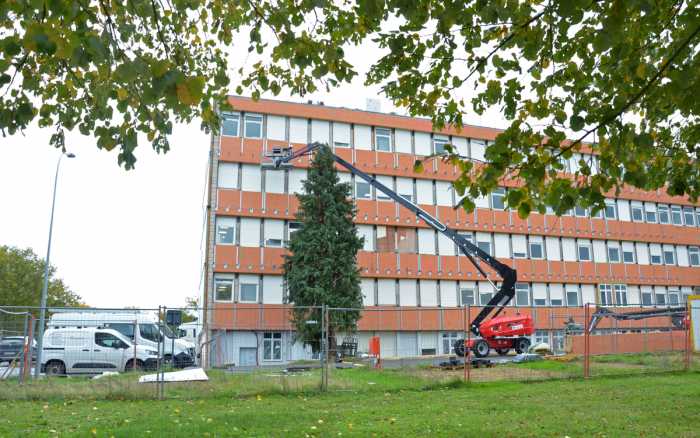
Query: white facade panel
[
  {"x": 386, "y": 292},
  {"x": 519, "y": 246},
  {"x": 426, "y": 241},
  {"x": 341, "y": 135},
  {"x": 642, "y": 251},
  {"x": 448, "y": 293},
  {"x": 251, "y": 180},
  {"x": 600, "y": 251},
  {"x": 367, "y": 287},
  {"x": 274, "y": 181},
  {"x": 623, "y": 210},
  {"x": 424, "y": 192},
  {"x": 298, "y": 130},
  {"x": 227, "y": 176},
  {"x": 363, "y": 137},
  {"x": 462, "y": 146},
  {"x": 250, "y": 231},
  {"x": 273, "y": 230},
  {"x": 633, "y": 295},
  {"x": 366, "y": 232},
  {"x": 402, "y": 141},
  {"x": 296, "y": 179},
  {"x": 553, "y": 249},
  {"x": 408, "y": 293},
  {"x": 273, "y": 291},
  {"x": 444, "y": 190},
  {"x": 276, "y": 128},
  {"x": 568, "y": 247},
  {"x": 423, "y": 145},
  {"x": 682, "y": 254},
  {"x": 587, "y": 294},
  {"x": 320, "y": 131},
  {"x": 428, "y": 293},
  {"x": 445, "y": 245},
  {"x": 502, "y": 245},
  {"x": 478, "y": 148}
]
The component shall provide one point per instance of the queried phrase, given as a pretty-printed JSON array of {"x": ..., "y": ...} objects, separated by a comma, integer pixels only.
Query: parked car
[
  {"x": 140, "y": 327},
  {"x": 11, "y": 348},
  {"x": 92, "y": 350}
]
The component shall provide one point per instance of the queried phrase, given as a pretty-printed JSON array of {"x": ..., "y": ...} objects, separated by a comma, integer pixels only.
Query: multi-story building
[{"x": 642, "y": 250}]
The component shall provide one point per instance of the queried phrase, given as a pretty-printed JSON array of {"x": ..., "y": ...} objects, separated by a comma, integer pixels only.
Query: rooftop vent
[{"x": 373, "y": 105}]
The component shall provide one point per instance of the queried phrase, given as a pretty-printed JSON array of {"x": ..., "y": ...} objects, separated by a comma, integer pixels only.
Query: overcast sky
[{"x": 126, "y": 238}]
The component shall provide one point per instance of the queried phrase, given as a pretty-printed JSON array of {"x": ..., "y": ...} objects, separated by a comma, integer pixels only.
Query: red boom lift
[{"x": 500, "y": 333}]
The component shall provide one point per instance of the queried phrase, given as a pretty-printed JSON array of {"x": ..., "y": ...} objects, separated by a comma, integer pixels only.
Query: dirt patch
[{"x": 495, "y": 373}]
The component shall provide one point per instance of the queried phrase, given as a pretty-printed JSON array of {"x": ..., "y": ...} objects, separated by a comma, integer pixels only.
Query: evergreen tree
[{"x": 321, "y": 268}]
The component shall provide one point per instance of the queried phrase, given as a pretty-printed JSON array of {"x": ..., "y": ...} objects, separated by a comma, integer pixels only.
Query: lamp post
[{"x": 45, "y": 289}]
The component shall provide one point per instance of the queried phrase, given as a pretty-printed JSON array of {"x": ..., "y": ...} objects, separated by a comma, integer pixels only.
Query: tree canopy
[
  {"x": 22, "y": 278},
  {"x": 618, "y": 78},
  {"x": 321, "y": 267}
]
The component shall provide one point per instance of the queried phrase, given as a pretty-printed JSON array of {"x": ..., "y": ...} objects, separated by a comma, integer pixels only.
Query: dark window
[
  {"x": 614, "y": 255},
  {"x": 498, "y": 199},
  {"x": 249, "y": 293},
  {"x": 382, "y": 139},
  {"x": 572, "y": 297},
  {"x": 663, "y": 214},
  {"x": 230, "y": 124},
  {"x": 126, "y": 329},
  {"x": 253, "y": 126},
  {"x": 224, "y": 290},
  {"x": 522, "y": 294},
  {"x": 467, "y": 297},
  {"x": 150, "y": 332},
  {"x": 676, "y": 217},
  {"x": 108, "y": 340},
  {"x": 637, "y": 214},
  {"x": 628, "y": 256},
  {"x": 689, "y": 216},
  {"x": 646, "y": 299}
]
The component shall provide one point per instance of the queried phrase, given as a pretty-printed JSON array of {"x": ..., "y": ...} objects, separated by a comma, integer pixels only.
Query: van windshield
[
  {"x": 150, "y": 332},
  {"x": 125, "y": 328},
  {"x": 169, "y": 333}
]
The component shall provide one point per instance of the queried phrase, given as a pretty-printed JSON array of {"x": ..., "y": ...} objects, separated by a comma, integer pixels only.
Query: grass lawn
[{"x": 362, "y": 403}]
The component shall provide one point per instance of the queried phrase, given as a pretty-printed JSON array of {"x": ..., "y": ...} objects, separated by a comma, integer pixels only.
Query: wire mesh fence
[{"x": 248, "y": 349}]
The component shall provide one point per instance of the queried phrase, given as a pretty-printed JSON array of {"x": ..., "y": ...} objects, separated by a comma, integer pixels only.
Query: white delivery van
[
  {"x": 189, "y": 331},
  {"x": 92, "y": 350},
  {"x": 140, "y": 327}
]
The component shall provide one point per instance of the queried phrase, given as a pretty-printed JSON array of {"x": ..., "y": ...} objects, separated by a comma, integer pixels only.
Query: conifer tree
[{"x": 321, "y": 267}]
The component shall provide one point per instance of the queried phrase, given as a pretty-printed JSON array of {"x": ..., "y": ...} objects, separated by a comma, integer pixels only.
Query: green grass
[{"x": 395, "y": 404}]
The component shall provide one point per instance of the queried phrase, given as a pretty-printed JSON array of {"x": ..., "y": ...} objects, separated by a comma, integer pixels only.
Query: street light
[{"x": 45, "y": 290}]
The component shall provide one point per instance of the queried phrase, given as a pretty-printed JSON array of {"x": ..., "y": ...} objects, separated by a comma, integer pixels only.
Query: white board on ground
[{"x": 192, "y": 375}]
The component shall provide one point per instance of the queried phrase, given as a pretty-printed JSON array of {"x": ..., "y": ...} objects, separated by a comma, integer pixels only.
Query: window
[
  {"x": 404, "y": 187},
  {"x": 223, "y": 289},
  {"x": 697, "y": 216},
  {"x": 274, "y": 181},
  {"x": 382, "y": 139},
  {"x": 125, "y": 328},
  {"x": 498, "y": 199},
  {"x": 485, "y": 294},
  {"x": 467, "y": 296},
  {"x": 274, "y": 233},
  {"x": 250, "y": 232},
  {"x": 627, "y": 252},
  {"x": 292, "y": 228},
  {"x": 637, "y": 213},
  {"x": 406, "y": 240},
  {"x": 556, "y": 294},
  {"x": 647, "y": 296},
  {"x": 620, "y": 294},
  {"x": 439, "y": 144},
  {"x": 150, "y": 332},
  {"x": 362, "y": 190},
  {"x": 298, "y": 130},
  {"x": 272, "y": 346},
  {"x": 655, "y": 253},
  {"x": 522, "y": 294},
  {"x": 596, "y": 213},
  {"x": 650, "y": 210},
  {"x": 660, "y": 297},
  {"x": 694, "y": 255},
  {"x": 229, "y": 124},
  {"x": 387, "y": 181},
  {"x": 426, "y": 241},
  {"x": 539, "y": 294},
  {"x": 251, "y": 178},
  {"x": 424, "y": 192},
  {"x": 249, "y": 292},
  {"x": 253, "y": 125},
  {"x": 610, "y": 209},
  {"x": 386, "y": 238},
  {"x": 536, "y": 248},
  {"x": 676, "y": 217},
  {"x": 580, "y": 211},
  {"x": 674, "y": 297},
  {"x": 225, "y": 230},
  {"x": 109, "y": 340},
  {"x": 341, "y": 135},
  {"x": 484, "y": 245},
  {"x": 663, "y": 214},
  {"x": 448, "y": 342},
  {"x": 519, "y": 246},
  {"x": 540, "y": 337},
  {"x": 443, "y": 193},
  {"x": 605, "y": 291},
  {"x": 572, "y": 295},
  {"x": 584, "y": 251},
  {"x": 669, "y": 255},
  {"x": 689, "y": 216}
]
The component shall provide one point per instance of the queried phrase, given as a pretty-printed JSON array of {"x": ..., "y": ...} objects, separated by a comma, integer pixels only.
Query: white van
[
  {"x": 141, "y": 328},
  {"x": 189, "y": 331},
  {"x": 92, "y": 350}
]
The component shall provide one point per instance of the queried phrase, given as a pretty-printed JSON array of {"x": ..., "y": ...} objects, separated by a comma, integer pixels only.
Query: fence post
[
  {"x": 464, "y": 339},
  {"x": 326, "y": 321},
  {"x": 323, "y": 347},
  {"x": 686, "y": 324},
  {"x": 586, "y": 342},
  {"x": 467, "y": 349}
]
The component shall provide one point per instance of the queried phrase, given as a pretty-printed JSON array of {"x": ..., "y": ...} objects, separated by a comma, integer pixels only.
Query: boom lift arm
[
  {"x": 678, "y": 316},
  {"x": 281, "y": 157}
]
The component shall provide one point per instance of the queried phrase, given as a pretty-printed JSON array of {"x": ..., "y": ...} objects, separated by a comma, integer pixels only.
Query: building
[{"x": 642, "y": 250}]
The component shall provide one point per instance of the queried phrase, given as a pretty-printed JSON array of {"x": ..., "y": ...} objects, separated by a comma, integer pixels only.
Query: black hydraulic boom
[
  {"x": 678, "y": 316},
  {"x": 282, "y": 156}
]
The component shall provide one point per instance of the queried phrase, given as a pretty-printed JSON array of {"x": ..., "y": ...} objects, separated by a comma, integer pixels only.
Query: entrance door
[{"x": 248, "y": 356}]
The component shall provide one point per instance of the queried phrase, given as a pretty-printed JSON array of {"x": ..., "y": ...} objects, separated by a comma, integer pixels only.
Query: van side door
[{"x": 109, "y": 352}]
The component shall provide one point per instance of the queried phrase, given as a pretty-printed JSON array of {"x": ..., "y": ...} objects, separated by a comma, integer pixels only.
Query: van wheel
[
  {"x": 55, "y": 368},
  {"x": 130, "y": 365}
]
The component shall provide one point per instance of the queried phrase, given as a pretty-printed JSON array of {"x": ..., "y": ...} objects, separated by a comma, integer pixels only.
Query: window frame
[
  {"x": 386, "y": 135},
  {"x": 498, "y": 193},
  {"x": 270, "y": 340},
  {"x": 663, "y": 210},
  {"x": 677, "y": 210},
  {"x": 217, "y": 282},
  {"x": 240, "y": 292},
  {"x": 233, "y": 222},
  {"x": 253, "y": 119},
  {"x": 230, "y": 116}
]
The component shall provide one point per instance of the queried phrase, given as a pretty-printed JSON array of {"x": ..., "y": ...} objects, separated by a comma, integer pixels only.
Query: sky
[{"x": 129, "y": 238}]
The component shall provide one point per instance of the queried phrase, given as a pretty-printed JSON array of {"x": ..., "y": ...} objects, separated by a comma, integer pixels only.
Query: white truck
[
  {"x": 92, "y": 350},
  {"x": 189, "y": 331},
  {"x": 140, "y": 327}
]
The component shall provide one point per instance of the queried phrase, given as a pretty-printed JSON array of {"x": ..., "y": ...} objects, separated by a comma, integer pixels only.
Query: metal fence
[{"x": 253, "y": 348}]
